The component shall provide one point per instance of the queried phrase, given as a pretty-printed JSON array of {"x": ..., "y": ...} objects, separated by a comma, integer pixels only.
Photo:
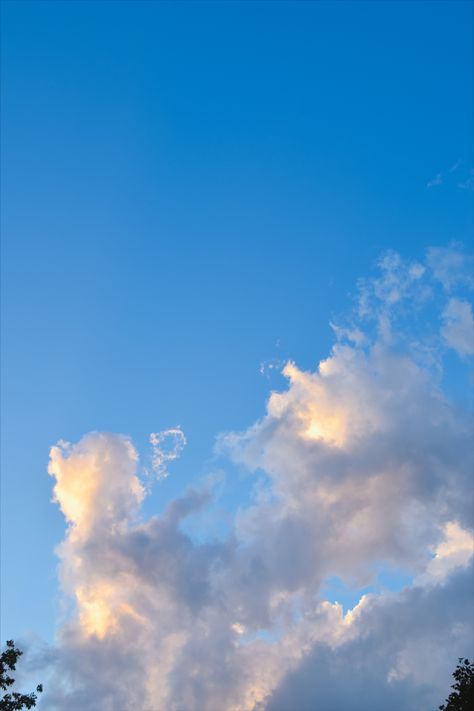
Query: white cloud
[
  {"x": 83, "y": 483},
  {"x": 397, "y": 281},
  {"x": 167, "y": 446},
  {"x": 365, "y": 462},
  {"x": 458, "y": 327},
  {"x": 455, "y": 551}
]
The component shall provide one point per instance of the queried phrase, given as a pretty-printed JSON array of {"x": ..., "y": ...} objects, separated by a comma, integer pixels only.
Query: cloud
[
  {"x": 397, "y": 280},
  {"x": 437, "y": 180},
  {"x": 83, "y": 489},
  {"x": 458, "y": 327},
  {"x": 167, "y": 446},
  {"x": 450, "y": 266},
  {"x": 267, "y": 366},
  {"x": 399, "y": 656},
  {"x": 359, "y": 464},
  {"x": 468, "y": 183},
  {"x": 454, "y": 551},
  {"x": 446, "y": 177},
  {"x": 457, "y": 164}
]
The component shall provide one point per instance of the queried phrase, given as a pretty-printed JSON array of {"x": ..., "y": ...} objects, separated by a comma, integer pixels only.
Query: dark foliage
[
  {"x": 462, "y": 698},
  {"x": 13, "y": 701}
]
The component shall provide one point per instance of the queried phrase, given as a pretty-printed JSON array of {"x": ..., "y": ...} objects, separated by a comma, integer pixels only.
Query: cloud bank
[{"x": 360, "y": 466}]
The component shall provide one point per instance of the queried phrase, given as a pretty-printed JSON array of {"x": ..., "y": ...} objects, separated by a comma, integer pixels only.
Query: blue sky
[{"x": 191, "y": 190}]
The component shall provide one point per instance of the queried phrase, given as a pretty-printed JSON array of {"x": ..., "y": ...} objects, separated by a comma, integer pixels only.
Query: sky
[{"x": 237, "y": 351}]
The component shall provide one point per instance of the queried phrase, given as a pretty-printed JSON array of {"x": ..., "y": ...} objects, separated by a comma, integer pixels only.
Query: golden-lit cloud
[
  {"x": 82, "y": 487},
  {"x": 367, "y": 466}
]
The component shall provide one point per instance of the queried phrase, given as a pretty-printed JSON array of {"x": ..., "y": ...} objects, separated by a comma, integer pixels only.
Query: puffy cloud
[
  {"x": 83, "y": 489},
  {"x": 454, "y": 551},
  {"x": 360, "y": 463},
  {"x": 367, "y": 461},
  {"x": 399, "y": 656}
]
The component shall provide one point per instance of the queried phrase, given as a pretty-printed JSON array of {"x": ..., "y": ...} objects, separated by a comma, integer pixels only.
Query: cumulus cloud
[
  {"x": 455, "y": 551},
  {"x": 82, "y": 487},
  {"x": 360, "y": 463},
  {"x": 398, "y": 656}
]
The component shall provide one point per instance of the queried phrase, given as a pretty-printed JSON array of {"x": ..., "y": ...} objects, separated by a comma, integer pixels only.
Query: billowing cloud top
[{"x": 362, "y": 465}]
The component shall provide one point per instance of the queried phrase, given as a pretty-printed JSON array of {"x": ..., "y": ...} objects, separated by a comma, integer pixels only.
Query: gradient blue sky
[{"x": 191, "y": 189}]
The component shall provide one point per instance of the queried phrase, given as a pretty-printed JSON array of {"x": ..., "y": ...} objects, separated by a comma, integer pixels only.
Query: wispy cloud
[
  {"x": 466, "y": 183},
  {"x": 437, "y": 180},
  {"x": 167, "y": 446},
  {"x": 457, "y": 164},
  {"x": 458, "y": 326},
  {"x": 451, "y": 266}
]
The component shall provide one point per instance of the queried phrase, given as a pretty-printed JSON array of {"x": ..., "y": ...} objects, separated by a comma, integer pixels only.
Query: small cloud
[
  {"x": 455, "y": 166},
  {"x": 238, "y": 628},
  {"x": 398, "y": 281},
  {"x": 167, "y": 446},
  {"x": 442, "y": 177},
  {"x": 266, "y": 367},
  {"x": 469, "y": 183},
  {"x": 458, "y": 328},
  {"x": 437, "y": 180},
  {"x": 450, "y": 266}
]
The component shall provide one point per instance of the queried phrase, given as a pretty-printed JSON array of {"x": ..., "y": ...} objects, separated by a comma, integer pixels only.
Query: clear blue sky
[{"x": 190, "y": 189}]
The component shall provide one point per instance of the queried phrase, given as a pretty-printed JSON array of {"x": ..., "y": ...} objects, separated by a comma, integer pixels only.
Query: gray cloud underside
[{"x": 366, "y": 463}]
